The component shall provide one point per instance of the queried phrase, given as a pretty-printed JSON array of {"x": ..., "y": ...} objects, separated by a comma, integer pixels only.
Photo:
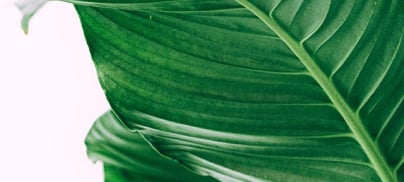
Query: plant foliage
[{"x": 249, "y": 90}]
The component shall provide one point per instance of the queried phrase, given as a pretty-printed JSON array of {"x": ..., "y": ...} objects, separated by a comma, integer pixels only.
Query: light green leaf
[
  {"x": 127, "y": 157},
  {"x": 28, "y": 8},
  {"x": 258, "y": 90}
]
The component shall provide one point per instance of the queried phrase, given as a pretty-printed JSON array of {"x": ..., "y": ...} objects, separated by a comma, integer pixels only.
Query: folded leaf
[{"x": 127, "y": 157}]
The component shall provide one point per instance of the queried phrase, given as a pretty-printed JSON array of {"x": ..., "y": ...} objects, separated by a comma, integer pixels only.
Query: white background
[{"x": 49, "y": 98}]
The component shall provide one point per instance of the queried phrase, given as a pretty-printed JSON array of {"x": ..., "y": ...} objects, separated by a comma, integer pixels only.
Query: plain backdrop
[{"x": 49, "y": 98}]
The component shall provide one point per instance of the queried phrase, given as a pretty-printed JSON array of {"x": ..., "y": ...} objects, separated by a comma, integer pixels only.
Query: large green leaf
[
  {"x": 127, "y": 157},
  {"x": 258, "y": 90}
]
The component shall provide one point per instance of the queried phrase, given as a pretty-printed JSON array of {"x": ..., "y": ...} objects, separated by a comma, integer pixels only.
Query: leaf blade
[
  {"x": 353, "y": 120},
  {"x": 127, "y": 157},
  {"x": 165, "y": 116},
  {"x": 255, "y": 93}
]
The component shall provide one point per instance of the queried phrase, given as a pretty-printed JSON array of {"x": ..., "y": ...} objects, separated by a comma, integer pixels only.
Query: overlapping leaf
[
  {"x": 258, "y": 90},
  {"x": 127, "y": 157}
]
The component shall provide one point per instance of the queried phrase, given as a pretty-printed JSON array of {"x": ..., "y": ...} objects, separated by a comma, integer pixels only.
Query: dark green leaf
[
  {"x": 127, "y": 157},
  {"x": 259, "y": 90},
  {"x": 307, "y": 93}
]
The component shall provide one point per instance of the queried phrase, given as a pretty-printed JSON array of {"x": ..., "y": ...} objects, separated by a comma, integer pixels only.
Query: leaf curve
[
  {"x": 213, "y": 88},
  {"x": 127, "y": 157}
]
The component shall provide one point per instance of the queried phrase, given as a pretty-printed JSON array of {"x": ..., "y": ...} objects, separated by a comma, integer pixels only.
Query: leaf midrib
[{"x": 353, "y": 121}]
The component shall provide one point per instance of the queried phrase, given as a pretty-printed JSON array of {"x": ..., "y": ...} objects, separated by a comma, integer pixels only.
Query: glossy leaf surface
[
  {"x": 258, "y": 90},
  {"x": 127, "y": 157}
]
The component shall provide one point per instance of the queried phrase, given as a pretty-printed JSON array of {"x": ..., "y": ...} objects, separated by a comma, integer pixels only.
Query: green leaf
[
  {"x": 258, "y": 90},
  {"x": 127, "y": 157},
  {"x": 270, "y": 90}
]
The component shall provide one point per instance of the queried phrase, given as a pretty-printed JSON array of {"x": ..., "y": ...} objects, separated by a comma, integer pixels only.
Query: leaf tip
[{"x": 24, "y": 24}]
